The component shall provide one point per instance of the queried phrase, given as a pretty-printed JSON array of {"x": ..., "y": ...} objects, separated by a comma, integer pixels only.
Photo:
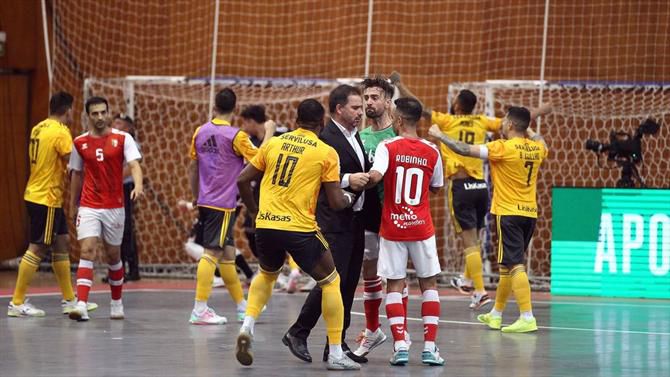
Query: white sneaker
[
  {"x": 24, "y": 310},
  {"x": 341, "y": 363},
  {"x": 69, "y": 305},
  {"x": 281, "y": 284},
  {"x": 311, "y": 283},
  {"x": 463, "y": 285},
  {"x": 218, "y": 282},
  {"x": 292, "y": 285},
  {"x": 208, "y": 317},
  {"x": 80, "y": 312},
  {"x": 370, "y": 341},
  {"x": 116, "y": 310}
]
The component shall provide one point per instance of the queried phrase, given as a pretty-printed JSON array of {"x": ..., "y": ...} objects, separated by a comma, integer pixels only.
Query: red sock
[
  {"x": 372, "y": 299},
  {"x": 405, "y": 301},
  {"x": 430, "y": 311},
  {"x": 396, "y": 314},
  {"x": 84, "y": 279},
  {"x": 115, "y": 275}
]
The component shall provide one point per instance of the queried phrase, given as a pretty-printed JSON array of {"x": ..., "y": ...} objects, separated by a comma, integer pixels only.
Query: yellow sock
[
  {"x": 504, "y": 289},
  {"x": 521, "y": 288},
  {"x": 473, "y": 265},
  {"x": 232, "y": 280},
  {"x": 205, "y": 277},
  {"x": 292, "y": 264},
  {"x": 27, "y": 269},
  {"x": 260, "y": 291},
  {"x": 60, "y": 262},
  {"x": 332, "y": 307}
]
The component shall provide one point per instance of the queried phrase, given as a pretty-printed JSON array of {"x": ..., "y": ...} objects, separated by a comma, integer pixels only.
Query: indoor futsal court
[
  {"x": 577, "y": 337},
  {"x": 531, "y": 172}
]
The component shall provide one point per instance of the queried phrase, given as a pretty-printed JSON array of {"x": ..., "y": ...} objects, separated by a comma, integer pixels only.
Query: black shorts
[
  {"x": 306, "y": 248},
  {"x": 45, "y": 222},
  {"x": 514, "y": 234},
  {"x": 468, "y": 202},
  {"x": 217, "y": 228}
]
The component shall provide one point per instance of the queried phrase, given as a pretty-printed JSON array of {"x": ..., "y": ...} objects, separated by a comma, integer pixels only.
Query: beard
[{"x": 372, "y": 113}]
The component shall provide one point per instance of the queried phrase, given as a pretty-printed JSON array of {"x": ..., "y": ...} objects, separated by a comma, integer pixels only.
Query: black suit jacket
[{"x": 329, "y": 220}]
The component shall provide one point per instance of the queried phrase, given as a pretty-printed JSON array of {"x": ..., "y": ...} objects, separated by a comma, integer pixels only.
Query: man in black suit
[{"x": 344, "y": 230}]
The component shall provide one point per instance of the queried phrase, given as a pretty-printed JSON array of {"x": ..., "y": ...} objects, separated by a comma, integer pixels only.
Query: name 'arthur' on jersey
[
  {"x": 101, "y": 158},
  {"x": 410, "y": 167}
]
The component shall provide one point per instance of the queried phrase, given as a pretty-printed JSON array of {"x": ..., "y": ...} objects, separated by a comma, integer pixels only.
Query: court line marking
[
  {"x": 578, "y": 303},
  {"x": 613, "y": 331},
  {"x": 539, "y": 327}
]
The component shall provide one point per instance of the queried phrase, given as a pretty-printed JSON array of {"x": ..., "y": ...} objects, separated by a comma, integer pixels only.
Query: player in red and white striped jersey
[
  {"x": 98, "y": 155},
  {"x": 412, "y": 167}
]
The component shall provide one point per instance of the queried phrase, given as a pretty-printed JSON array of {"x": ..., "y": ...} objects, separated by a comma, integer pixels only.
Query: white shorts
[
  {"x": 371, "y": 250},
  {"x": 101, "y": 222},
  {"x": 392, "y": 262}
]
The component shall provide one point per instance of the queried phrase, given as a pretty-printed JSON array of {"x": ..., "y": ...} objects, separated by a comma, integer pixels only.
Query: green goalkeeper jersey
[{"x": 371, "y": 139}]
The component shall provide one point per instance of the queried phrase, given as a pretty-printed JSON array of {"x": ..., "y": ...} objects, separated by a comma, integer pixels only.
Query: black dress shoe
[
  {"x": 297, "y": 346},
  {"x": 350, "y": 354}
]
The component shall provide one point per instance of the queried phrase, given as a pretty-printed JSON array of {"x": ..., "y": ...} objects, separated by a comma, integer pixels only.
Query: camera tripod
[{"x": 630, "y": 176}]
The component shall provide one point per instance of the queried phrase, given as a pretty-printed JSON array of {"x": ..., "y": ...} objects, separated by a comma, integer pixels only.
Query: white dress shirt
[{"x": 351, "y": 138}]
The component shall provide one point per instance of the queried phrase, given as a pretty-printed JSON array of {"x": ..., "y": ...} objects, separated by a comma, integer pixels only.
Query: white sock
[
  {"x": 200, "y": 306},
  {"x": 336, "y": 350},
  {"x": 496, "y": 313},
  {"x": 119, "y": 301},
  {"x": 242, "y": 306},
  {"x": 249, "y": 323},
  {"x": 527, "y": 315},
  {"x": 429, "y": 346}
]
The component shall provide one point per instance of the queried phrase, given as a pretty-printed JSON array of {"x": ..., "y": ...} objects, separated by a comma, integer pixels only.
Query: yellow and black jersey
[
  {"x": 50, "y": 142},
  {"x": 470, "y": 129},
  {"x": 514, "y": 166},
  {"x": 295, "y": 165}
]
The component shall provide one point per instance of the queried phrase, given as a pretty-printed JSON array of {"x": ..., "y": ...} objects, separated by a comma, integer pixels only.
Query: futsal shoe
[
  {"x": 208, "y": 317},
  {"x": 292, "y": 284},
  {"x": 116, "y": 310},
  {"x": 479, "y": 301},
  {"x": 24, "y": 310},
  {"x": 492, "y": 321},
  {"x": 400, "y": 357},
  {"x": 463, "y": 285},
  {"x": 80, "y": 312},
  {"x": 370, "y": 341},
  {"x": 341, "y": 363},
  {"x": 243, "y": 351},
  {"x": 521, "y": 325},
  {"x": 432, "y": 358},
  {"x": 218, "y": 282},
  {"x": 69, "y": 305}
]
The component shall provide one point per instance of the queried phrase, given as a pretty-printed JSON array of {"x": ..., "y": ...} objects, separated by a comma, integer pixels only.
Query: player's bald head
[{"x": 310, "y": 114}]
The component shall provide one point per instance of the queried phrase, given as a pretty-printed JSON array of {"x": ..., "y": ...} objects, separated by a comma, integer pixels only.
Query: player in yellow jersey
[
  {"x": 294, "y": 167},
  {"x": 49, "y": 151},
  {"x": 468, "y": 195},
  {"x": 514, "y": 162}
]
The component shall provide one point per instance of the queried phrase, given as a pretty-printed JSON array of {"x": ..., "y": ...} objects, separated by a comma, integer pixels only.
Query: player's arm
[
  {"x": 75, "y": 166},
  {"x": 249, "y": 174},
  {"x": 380, "y": 165},
  {"x": 337, "y": 198},
  {"x": 536, "y": 137},
  {"x": 437, "y": 179},
  {"x": 543, "y": 109},
  {"x": 193, "y": 180},
  {"x": 136, "y": 173},
  {"x": 458, "y": 147},
  {"x": 131, "y": 153},
  {"x": 405, "y": 92},
  {"x": 243, "y": 146}
]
